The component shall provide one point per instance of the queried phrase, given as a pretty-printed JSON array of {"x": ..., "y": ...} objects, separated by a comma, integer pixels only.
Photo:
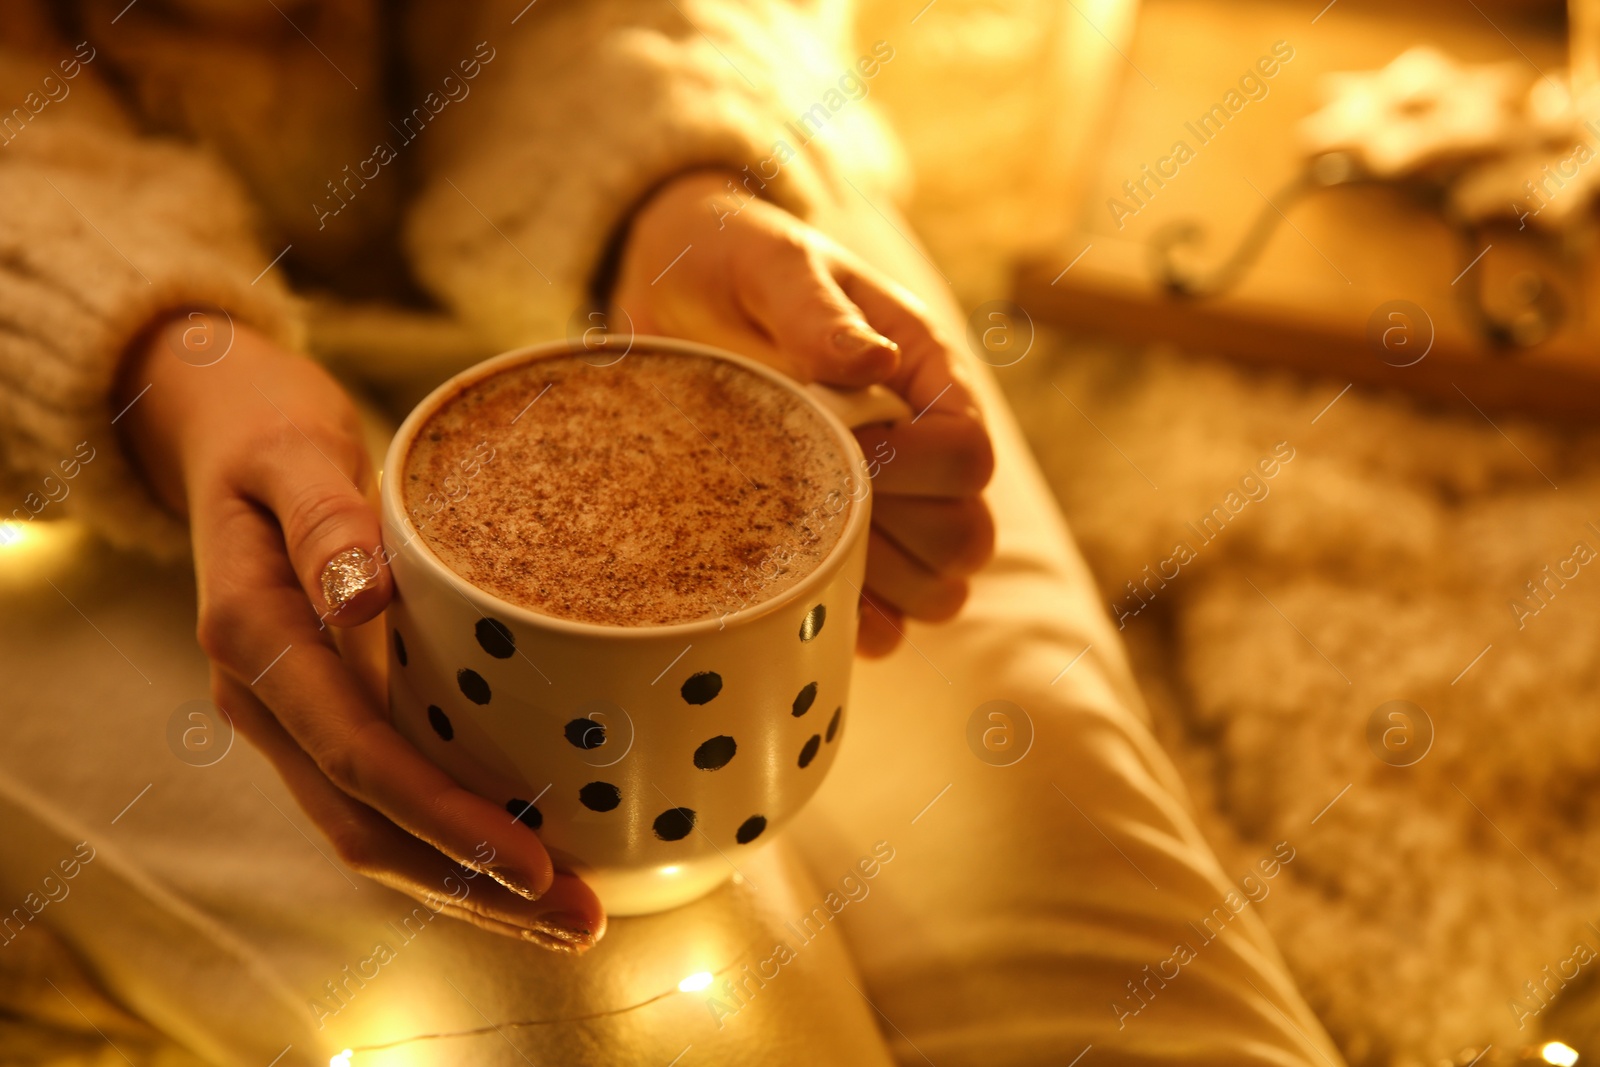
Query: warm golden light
[
  {"x": 1583, "y": 46},
  {"x": 30, "y": 551},
  {"x": 1559, "y": 1053},
  {"x": 702, "y": 980},
  {"x": 342, "y": 1059}
]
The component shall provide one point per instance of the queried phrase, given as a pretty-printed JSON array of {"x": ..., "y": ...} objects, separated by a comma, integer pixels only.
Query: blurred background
[{"x": 1372, "y": 253}]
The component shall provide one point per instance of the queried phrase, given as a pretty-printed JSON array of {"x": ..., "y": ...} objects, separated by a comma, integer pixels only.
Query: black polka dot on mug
[
  {"x": 715, "y": 753},
  {"x": 585, "y": 733},
  {"x": 804, "y": 699},
  {"x": 399, "y": 648},
  {"x": 473, "y": 687},
  {"x": 495, "y": 638},
  {"x": 600, "y": 796},
  {"x": 440, "y": 723},
  {"x": 674, "y": 824},
  {"x": 809, "y": 752},
  {"x": 525, "y": 813},
  {"x": 833, "y": 724},
  {"x": 750, "y": 829},
  {"x": 702, "y": 688},
  {"x": 811, "y": 625},
  {"x": 602, "y": 732}
]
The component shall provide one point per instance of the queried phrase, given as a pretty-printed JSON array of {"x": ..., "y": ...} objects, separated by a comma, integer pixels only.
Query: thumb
[
  {"x": 815, "y": 325},
  {"x": 331, "y": 530}
]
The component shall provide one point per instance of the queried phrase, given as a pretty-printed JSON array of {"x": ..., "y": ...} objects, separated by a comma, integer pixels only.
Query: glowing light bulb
[
  {"x": 342, "y": 1059},
  {"x": 696, "y": 982},
  {"x": 671, "y": 869},
  {"x": 31, "y": 550},
  {"x": 1558, "y": 1053}
]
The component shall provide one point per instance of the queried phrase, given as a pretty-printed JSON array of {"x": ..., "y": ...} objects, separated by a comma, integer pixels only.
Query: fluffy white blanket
[{"x": 1400, "y": 554}]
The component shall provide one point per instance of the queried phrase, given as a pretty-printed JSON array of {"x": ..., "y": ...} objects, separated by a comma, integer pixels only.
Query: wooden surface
[{"x": 1344, "y": 253}]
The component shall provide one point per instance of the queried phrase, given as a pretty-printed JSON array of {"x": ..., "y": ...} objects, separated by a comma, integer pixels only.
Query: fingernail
[
  {"x": 345, "y": 575},
  {"x": 561, "y": 931},
  {"x": 856, "y": 340},
  {"x": 512, "y": 881}
]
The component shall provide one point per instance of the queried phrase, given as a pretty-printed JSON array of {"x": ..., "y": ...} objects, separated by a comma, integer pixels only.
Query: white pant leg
[{"x": 1024, "y": 901}]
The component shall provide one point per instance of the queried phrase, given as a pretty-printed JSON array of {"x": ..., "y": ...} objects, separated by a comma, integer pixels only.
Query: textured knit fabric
[{"x": 159, "y": 157}]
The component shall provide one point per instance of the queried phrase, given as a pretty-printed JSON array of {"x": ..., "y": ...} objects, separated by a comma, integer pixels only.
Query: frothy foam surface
[{"x": 663, "y": 489}]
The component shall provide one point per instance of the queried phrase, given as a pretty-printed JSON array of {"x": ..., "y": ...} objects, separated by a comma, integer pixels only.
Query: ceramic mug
[{"x": 649, "y": 759}]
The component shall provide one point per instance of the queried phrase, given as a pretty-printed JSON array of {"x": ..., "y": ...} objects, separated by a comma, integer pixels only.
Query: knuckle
[
  {"x": 341, "y": 763},
  {"x": 827, "y": 311},
  {"x": 345, "y": 420},
  {"x": 943, "y": 600},
  {"x": 792, "y": 243},
  {"x": 217, "y": 630},
  {"x": 219, "y": 691},
  {"x": 965, "y": 541},
  {"x": 315, "y": 513},
  {"x": 917, "y": 311},
  {"x": 331, "y": 433},
  {"x": 353, "y": 845},
  {"x": 275, "y": 444},
  {"x": 782, "y": 247}
]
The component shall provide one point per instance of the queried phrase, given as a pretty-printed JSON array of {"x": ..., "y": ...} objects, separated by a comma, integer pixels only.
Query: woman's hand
[
  {"x": 709, "y": 264},
  {"x": 261, "y": 449}
]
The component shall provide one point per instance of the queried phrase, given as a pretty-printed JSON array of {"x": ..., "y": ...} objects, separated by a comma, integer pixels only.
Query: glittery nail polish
[
  {"x": 512, "y": 881},
  {"x": 345, "y": 575},
  {"x": 560, "y": 932}
]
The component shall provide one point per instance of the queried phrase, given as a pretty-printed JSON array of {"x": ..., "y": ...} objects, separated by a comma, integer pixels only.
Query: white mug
[{"x": 649, "y": 759}]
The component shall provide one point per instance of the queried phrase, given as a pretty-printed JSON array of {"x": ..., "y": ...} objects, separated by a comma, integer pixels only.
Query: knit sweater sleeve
[
  {"x": 102, "y": 232},
  {"x": 579, "y": 110}
]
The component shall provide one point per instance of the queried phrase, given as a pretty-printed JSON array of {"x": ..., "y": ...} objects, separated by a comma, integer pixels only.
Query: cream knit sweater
[{"x": 477, "y": 156}]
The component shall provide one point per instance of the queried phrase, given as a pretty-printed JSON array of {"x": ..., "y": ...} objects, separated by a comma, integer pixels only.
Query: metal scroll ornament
[{"x": 1475, "y": 146}]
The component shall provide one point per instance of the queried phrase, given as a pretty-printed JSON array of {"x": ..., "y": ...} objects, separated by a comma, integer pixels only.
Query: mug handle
[{"x": 861, "y": 407}]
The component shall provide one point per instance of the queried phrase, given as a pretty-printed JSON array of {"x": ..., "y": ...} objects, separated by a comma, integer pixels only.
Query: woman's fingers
[
  {"x": 256, "y": 625},
  {"x": 947, "y": 448},
  {"x": 321, "y": 494},
  {"x": 925, "y": 376},
  {"x": 566, "y": 918},
  {"x": 880, "y": 630},
  {"x": 365, "y": 651},
  {"x": 263, "y": 452},
  {"x": 361, "y": 753},
  {"x": 953, "y": 537},
  {"x": 940, "y": 455},
  {"x": 788, "y": 289},
  {"x": 897, "y": 579},
  {"x": 749, "y": 276},
  {"x": 897, "y": 586},
  {"x": 700, "y": 260}
]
